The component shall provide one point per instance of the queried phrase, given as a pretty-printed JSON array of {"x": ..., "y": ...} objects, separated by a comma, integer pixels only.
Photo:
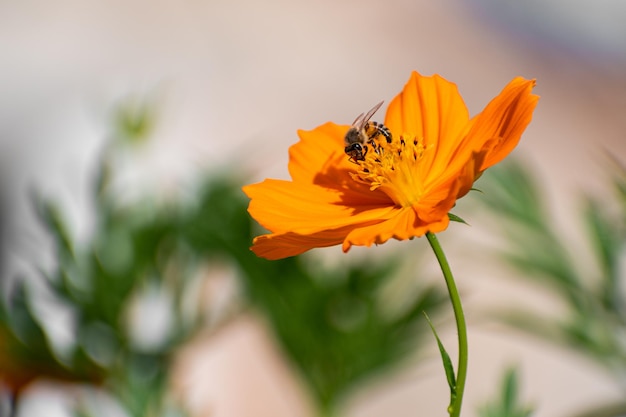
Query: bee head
[
  {"x": 353, "y": 136},
  {"x": 356, "y": 151}
]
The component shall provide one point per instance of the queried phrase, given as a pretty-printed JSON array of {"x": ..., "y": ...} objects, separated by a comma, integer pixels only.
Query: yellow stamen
[{"x": 394, "y": 169}]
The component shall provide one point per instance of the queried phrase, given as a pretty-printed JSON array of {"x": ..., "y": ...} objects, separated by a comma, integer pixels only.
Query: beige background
[{"x": 236, "y": 79}]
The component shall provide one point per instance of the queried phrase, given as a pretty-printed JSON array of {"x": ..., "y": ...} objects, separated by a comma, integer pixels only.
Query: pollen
[{"x": 394, "y": 168}]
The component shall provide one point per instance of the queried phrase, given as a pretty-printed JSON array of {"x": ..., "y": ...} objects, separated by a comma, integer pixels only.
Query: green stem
[{"x": 455, "y": 405}]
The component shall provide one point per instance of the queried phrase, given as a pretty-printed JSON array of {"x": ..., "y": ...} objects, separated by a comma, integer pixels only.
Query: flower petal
[
  {"x": 285, "y": 206},
  {"x": 278, "y": 246},
  {"x": 432, "y": 109},
  {"x": 503, "y": 121},
  {"x": 319, "y": 158},
  {"x": 311, "y": 155},
  {"x": 492, "y": 134},
  {"x": 438, "y": 201},
  {"x": 404, "y": 225}
]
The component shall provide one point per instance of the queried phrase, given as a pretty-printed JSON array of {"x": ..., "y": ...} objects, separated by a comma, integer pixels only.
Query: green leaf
[
  {"x": 51, "y": 215},
  {"x": 447, "y": 363},
  {"x": 455, "y": 218},
  {"x": 508, "y": 404},
  {"x": 604, "y": 234}
]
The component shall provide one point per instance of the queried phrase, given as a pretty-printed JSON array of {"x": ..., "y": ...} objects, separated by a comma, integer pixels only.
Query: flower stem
[{"x": 455, "y": 405}]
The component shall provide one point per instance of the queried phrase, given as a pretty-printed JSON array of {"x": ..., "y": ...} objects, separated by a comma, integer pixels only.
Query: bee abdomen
[{"x": 380, "y": 129}]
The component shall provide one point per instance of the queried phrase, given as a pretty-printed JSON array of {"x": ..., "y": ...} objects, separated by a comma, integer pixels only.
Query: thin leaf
[
  {"x": 604, "y": 234},
  {"x": 51, "y": 215},
  {"x": 447, "y": 363},
  {"x": 507, "y": 405},
  {"x": 455, "y": 218}
]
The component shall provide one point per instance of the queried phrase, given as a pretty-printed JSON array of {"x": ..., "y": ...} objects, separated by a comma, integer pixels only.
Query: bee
[{"x": 363, "y": 134}]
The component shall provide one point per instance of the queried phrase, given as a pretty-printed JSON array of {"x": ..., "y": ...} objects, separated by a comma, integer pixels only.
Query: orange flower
[{"x": 402, "y": 189}]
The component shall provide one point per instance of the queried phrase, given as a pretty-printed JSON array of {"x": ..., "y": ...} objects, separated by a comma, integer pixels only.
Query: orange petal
[
  {"x": 284, "y": 206},
  {"x": 438, "y": 201},
  {"x": 319, "y": 159},
  {"x": 404, "y": 225},
  {"x": 317, "y": 150},
  {"x": 432, "y": 109},
  {"x": 278, "y": 246},
  {"x": 492, "y": 135},
  {"x": 470, "y": 172},
  {"x": 504, "y": 120}
]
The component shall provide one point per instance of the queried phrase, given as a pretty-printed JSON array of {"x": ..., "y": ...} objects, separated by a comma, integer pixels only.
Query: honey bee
[{"x": 363, "y": 134}]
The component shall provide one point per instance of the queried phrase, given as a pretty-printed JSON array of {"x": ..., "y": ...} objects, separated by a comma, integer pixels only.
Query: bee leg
[{"x": 374, "y": 145}]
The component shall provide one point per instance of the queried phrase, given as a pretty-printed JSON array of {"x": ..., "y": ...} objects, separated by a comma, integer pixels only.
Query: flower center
[{"x": 394, "y": 168}]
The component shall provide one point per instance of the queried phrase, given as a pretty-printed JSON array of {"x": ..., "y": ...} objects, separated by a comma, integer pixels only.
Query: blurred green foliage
[
  {"x": 334, "y": 324},
  {"x": 134, "y": 120},
  {"x": 595, "y": 321},
  {"x": 507, "y": 405}
]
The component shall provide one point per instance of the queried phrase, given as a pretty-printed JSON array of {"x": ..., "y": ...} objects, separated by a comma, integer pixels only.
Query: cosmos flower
[{"x": 401, "y": 189}]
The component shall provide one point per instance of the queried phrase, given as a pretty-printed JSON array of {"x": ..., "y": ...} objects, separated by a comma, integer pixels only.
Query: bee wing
[
  {"x": 370, "y": 113},
  {"x": 358, "y": 122},
  {"x": 363, "y": 118}
]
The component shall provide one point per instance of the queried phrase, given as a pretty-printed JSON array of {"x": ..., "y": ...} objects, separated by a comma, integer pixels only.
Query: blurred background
[{"x": 127, "y": 128}]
